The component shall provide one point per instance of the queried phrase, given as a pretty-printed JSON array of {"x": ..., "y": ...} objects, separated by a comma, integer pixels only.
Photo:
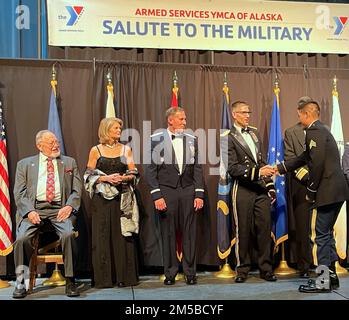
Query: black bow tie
[
  {"x": 173, "y": 136},
  {"x": 247, "y": 130}
]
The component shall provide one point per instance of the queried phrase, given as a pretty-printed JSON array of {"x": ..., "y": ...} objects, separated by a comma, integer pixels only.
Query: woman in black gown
[{"x": 114, "y": 256}]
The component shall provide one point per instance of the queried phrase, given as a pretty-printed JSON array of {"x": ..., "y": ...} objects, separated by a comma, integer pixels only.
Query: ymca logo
[
  {"x": 340, "y": 23},
  {"x": 75, "y": 13}
]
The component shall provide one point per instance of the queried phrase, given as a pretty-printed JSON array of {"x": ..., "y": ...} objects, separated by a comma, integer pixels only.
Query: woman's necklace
[{"x": 111, "y": 146}]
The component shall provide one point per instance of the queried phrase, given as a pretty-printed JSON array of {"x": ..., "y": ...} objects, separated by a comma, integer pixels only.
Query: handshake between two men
[{"x": 268, "y": 171}]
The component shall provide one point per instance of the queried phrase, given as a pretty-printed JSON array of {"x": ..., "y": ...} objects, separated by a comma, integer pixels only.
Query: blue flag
[
  {"x": 53, "y": 118},
  {"x": 224, "y": 227},
  {"x": 276, "y": 156}
]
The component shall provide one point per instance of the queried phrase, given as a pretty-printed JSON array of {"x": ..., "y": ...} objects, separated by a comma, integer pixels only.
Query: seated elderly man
[{"x": 47, "y": 187}]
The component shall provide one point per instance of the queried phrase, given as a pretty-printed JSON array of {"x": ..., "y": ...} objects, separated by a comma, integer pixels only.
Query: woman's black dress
[{"x": 114, "y": 257}]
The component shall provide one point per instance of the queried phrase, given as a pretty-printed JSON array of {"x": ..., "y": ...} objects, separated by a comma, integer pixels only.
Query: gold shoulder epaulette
[{"x": 225, "y": 133}]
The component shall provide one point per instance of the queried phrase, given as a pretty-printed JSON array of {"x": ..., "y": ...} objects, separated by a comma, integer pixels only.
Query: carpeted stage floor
[{"x": 208, "y": 288}]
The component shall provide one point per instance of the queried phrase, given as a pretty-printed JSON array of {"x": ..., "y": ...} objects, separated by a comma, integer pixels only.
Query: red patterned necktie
[{"x": 50, "y": 181}]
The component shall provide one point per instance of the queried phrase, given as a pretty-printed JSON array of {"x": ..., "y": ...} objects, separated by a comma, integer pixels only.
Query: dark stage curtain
[
  {"x": 229, "y": 58},
  {"x": 143, "y": 92}
]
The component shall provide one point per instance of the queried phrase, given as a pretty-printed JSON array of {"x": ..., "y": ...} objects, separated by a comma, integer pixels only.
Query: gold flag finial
[
  {"x": 54, "y": 79},
  {"x": 54, "y": 73},
  {"x": 335, "y": 81},
  {"x": 109, "y": 76},
  {"x": 225, "y": 81},
  {"x": 276, "y": 81}
]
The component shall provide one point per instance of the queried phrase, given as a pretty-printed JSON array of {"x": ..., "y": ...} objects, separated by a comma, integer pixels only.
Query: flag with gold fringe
[
  {"x": 175, "y": 103},
  {"x": 340, "y": 227},
  {"x": 53, "y": 116},
  {"x": 276, "y": 156},
  {"x": 175, "y": 99},
  {"x": 225, "y": 240}
]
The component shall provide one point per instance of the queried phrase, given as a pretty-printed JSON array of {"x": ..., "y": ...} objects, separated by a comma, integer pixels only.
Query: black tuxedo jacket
[{"x": 164, "y": 171}]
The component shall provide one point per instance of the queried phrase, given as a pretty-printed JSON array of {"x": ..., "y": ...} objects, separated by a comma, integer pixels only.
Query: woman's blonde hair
[{"x": 104, "y": 127}]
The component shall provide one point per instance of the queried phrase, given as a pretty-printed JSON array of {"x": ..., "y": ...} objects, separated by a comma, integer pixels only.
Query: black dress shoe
[
  {"x": 169, "y": 281},
  {"x": 19, "y": 293},
  {"x": 191, "y": 280},
  {"x": 71, "y": 289},
  {"x": 311, "y": 287},
  {"x": 269, "y": 276},
  {"x": 240, "y": 278},
  {"x": 334, "y": 281}
]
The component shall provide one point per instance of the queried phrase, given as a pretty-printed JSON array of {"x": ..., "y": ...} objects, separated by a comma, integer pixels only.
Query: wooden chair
[{"x": 49, "y": 253}]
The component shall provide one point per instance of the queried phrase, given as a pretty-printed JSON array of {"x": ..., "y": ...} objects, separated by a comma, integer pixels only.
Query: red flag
[
  {"x": 5, "y": 217},
  {"x": 175, "y": 100},
  {"x": 175, "y": 103},
  {"x": 175, "y": 92}
]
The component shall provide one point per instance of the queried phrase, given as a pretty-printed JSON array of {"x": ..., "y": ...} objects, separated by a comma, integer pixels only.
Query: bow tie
[
  {"x": 174, "y": 136},
  {"x": 247, "y": 130}
]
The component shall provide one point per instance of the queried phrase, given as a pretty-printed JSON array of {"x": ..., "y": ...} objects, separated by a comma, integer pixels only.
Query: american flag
[{"x": 5, "y": 217}]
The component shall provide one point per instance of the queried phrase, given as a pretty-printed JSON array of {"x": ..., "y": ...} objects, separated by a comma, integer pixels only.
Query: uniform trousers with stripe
[
  {"x": 322, "y": 241},
  {"x": 180, "y": 215},
  {"x": 253, "y": 222},
  {"x": 23, "y": 247}
]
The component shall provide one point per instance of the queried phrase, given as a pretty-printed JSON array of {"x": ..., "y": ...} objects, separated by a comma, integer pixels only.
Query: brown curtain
[
  {"x": 143, "y": 92},
  {"x": 229, "y": 58}
]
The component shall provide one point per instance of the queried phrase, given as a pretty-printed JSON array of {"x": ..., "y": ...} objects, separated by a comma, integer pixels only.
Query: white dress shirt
[
  {"x": 41, "y": 188},
  {"x": 177, "y": 143},
  {"x": 248, "y": 139}
]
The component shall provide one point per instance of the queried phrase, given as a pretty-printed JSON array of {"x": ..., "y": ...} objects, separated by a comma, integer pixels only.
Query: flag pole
[
  {"x": 339, "y": 268},
  {"x": 225, "y": 272},
  {"x": 283, "y": 268},
  {"x": 175, "y": 104},
  {"x": 56, "y": 278}
]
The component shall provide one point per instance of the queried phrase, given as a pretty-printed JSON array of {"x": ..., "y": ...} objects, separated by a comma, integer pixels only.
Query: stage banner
[{"x": 202, "y": 25}]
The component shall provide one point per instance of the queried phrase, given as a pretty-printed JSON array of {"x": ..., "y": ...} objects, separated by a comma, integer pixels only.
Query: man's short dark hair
[
  {"x": 303, "y": 100},
  {"x": 311, "y": 106},
  {"x": 236, "y": 104}
]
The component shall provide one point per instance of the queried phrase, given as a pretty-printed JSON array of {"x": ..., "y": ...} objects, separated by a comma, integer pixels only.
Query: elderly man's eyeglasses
[
  {"x": 51, "y": 143},
  {"x": 245, "y": 113}
]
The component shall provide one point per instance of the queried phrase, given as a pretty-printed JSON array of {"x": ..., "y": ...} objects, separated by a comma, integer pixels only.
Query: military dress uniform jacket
[
  {"x": 164, "y": 170},
  {"x": 294, "y": 143},
  {"x": 345, "y": 162},
  {"x": 326, "y": 183},
  {"x": 242, "y": 166}
]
